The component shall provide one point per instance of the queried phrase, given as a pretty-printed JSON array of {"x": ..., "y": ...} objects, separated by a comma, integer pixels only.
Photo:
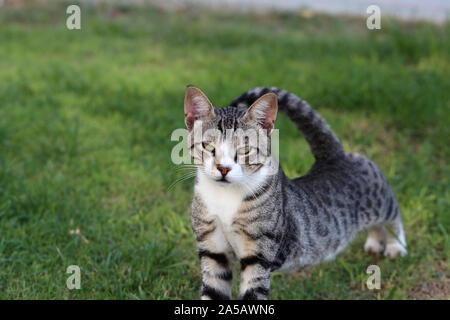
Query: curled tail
[{"x": 323, "y": 141}]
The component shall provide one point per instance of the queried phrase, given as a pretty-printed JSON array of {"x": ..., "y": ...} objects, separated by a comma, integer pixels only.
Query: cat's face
[{"x": 230, "y": 145}]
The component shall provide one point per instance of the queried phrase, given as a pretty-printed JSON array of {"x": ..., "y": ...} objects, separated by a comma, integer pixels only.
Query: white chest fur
[{"x": 222, "y": 203}]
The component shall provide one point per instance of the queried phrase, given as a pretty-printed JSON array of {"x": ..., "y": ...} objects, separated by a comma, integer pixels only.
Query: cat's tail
[{"x": 323, "y": 141}]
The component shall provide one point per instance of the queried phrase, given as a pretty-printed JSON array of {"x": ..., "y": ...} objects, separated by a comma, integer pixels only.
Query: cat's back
[
  {"x": 351, "y": 171},
  {"x": 348, "y": 192}
]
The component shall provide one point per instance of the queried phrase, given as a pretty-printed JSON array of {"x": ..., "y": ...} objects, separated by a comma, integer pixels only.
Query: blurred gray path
[{"x": 434, "y": 10}]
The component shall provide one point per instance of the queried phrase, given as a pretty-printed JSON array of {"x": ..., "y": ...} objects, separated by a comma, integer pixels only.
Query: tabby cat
[{"x": 244, "y": 211}]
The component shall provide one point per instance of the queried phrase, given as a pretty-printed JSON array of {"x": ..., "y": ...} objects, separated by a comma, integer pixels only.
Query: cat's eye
[
  {"x": 208, "y": 147},
  {"x": 243, "y": 150}
]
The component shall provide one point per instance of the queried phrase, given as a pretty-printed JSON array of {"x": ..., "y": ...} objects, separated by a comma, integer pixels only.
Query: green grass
[{"x": 85, "y": 124}]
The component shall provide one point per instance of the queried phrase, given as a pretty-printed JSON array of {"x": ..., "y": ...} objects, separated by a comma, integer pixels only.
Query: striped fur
[{"x": 269, "y": 222}]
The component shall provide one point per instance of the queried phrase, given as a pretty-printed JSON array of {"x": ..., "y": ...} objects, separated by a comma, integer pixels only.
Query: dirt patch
[{"x": 435, "y": 289}]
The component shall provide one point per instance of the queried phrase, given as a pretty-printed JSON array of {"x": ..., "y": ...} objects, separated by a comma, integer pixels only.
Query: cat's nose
[{"x": 223, "y": 170}]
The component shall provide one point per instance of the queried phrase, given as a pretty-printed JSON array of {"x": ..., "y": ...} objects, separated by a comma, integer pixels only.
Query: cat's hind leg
[
  {"x": 395, "y": 239},
  {"x": 375, "y": 239}
]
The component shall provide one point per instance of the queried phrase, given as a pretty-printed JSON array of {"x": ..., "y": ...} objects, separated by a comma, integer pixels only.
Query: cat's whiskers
[
  {"x": 192, "y": 172},
  {"x": 185, "y": 166},
  {"x": 248, "y": 187}
]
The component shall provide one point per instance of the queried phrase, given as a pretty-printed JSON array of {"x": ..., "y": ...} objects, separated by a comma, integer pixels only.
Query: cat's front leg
[
  {"x": 217, "y": 275},
  {"x": 255, "y": 278},
  {"x": 216, "y": 261}
]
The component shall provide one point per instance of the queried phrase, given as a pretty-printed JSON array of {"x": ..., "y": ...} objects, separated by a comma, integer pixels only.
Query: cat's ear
[
  {"x": 263, "y": 111},
  {"x": 196, "y": 107}
]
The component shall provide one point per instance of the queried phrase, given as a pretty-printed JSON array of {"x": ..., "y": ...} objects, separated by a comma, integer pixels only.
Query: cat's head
[{"x": 230, "y": 145}]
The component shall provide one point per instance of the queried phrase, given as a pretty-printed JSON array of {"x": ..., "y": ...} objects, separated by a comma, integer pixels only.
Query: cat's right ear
[{"x": 196, "y": 107}]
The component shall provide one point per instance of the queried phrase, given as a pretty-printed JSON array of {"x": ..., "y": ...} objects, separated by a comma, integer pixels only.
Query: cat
[{"x": 243, "y": 211}]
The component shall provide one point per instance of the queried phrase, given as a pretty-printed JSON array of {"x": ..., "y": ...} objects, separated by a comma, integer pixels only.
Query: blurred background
[{"x": 86, "y": 118}]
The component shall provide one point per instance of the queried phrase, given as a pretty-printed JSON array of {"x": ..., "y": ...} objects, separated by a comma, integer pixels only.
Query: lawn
[{"x": 85, "y": 124}]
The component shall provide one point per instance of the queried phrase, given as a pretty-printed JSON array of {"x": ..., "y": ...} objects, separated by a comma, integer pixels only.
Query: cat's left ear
[
  {"x": 263, "y": 111},
  {"x": 196, "y": 106}
]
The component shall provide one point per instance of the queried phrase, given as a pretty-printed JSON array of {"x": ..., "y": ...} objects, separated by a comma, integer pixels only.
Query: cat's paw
[
  {"x": 393, "y": 250},
  {"x": 373, "y": 245}
]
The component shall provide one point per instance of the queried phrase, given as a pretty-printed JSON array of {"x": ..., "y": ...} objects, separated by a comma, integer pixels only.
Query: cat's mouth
[{"x": 223, "y": 180}]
